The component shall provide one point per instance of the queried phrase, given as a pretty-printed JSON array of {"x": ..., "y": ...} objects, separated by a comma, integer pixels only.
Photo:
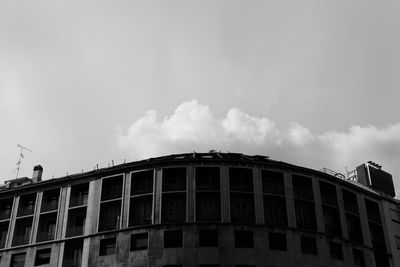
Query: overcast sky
[{"x": 314, "y": 83}]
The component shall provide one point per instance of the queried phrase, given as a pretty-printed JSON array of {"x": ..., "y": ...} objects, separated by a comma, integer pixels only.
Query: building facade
[{"x": 198, "y": 209}]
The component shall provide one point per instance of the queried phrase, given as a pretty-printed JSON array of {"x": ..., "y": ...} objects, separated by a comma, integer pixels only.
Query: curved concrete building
[{"x": 201, "y": 209}]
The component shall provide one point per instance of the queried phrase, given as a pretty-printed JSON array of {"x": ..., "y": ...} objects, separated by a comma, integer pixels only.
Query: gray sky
[{"x": 313, "y": 83}]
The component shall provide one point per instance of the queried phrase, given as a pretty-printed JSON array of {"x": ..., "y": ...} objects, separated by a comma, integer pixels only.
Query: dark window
[
  {"x": 208, "y": 265},
  {"x": 273, "y": 182},
  {"x": 208, "y": 238},
  {"x": 397, "y": 239},
  {"x": 207, "y": 178},
  {"x": 277, "y": 241},
  {"x": 47, "y": 227},
  {"x": 242, "y": 207},
  {"x": 79, "y": 195},
  {"x": 173, "y": 265},
  {"x": 50, "y": 200},
  {"x": 381, "y": 259},
  {"x": 112, "y": 187},
  {"x": 42, "y": 256},
  {"x": 335, "y": 249},
  {"x": 141, "y": 210},
  {"x": 241, "y": 179},
  {"x": 305, "y": 215},
  {"x": 173, "y": 207},
  {"x": 244, "y": 265},
  {"x": 373, "y": 211},
  {"x": 110, "y": 214},
  {"x": 5, "y": 208},
  {"x": 308, "y": 245},
  {"x": 76, "y": 221},
  {"x": 173, "y": 239},
  {"x": 332, "y": 221},
  {"x": 358, "y": 257},
  {"x": 275, "y": 211},
  {"x": 22, "y": 232},
  {"x": 3, "y": 233},
  {"x": 142, "y": 182},
  {"x": 73, "y": 253},
  {"x": 174, "y": 179},
  {"x": 139, "y": 241},
  {"x": 377, "y": 236},
  {"x": 26, "y": 204},
  {"x": 302, "y": 187},
  {"x": 328, "y": 193},
  {"x": 243, "y": 239},
  {"x": 350, "y": 202},
  {"x": 107, "y": 246},
  {"x": 208, "y": 206},
  {"x": 354, "y": 228},
  {"x": 18, "y": 260}
]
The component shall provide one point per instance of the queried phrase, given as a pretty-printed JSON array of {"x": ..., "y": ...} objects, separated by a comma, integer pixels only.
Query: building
[{"x": 201, "y": 209}]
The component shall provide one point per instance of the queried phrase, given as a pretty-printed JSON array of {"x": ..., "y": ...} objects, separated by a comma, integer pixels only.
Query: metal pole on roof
[{"x": 21, "y": 156}]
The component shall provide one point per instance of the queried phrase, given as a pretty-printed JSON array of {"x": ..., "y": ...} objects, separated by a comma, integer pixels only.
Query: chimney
[{"x": 37, "y": 173}]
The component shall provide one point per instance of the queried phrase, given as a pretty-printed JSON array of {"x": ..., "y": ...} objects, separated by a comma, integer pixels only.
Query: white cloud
[{"x": 193, "y": 127}]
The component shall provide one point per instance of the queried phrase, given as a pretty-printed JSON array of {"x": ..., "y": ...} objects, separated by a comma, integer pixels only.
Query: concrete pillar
[
  {"x": 191, "y": 192},
  {"x": 126, "y": 193},
  {"x": 318, "y": 205},
  {"x": 157, "y": 197},
  {"x": 342, "y": 213},
  {"x": 11, "y": 227},
  {"x": 291, "y": 212},
  {"x": 36, "y": 216},
  {"x": 225, "y": 212}
]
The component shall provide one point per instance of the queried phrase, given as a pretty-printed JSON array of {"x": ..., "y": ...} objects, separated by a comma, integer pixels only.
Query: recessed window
[
  {"x": 328, "y": 193},
  {"x": 241, "y": 179},
  {"x": 22, "y": 231},
  {"x": 308, "y": 245},
  {"x": 243, "y": 265},
  {"x": 26, "y": 204},
  {"x": 5, "y": 208},
  {"x": 243, "y": 239},
  {"x": 139, "y": 241},
  {"x": 79, "y": 195},
  {"x": 397, "y": 238},
  {"x": 174, "y": 179},
  {"x": 208, "y": 238},
  {"x": 208, "y": 206},
  {"x": 142, "y": 182},
  {"x": 18, "y": 260},
  {"x": 358, "y": 257},
  {"x": 3, "y": 233},
  {"x": 242, "y": 207},
  {"x": 173, "y": 265},
  {"x": 140, "y": 210},
  {"x": 302, "y": 187},
  {"x": 272, "y": 182},
  {"x": 73, "y": 252},
  {"x": 275, "y": 210},
  {"x": 107, "y": 246},
  {"x": 173, "y": 207},
  {"x": 112, "y": 187},
  {"x": 173, "y": 239},
  {"x": 350, "y": 201},
  {"x": 208, "y": 265},
  {"x": 110, "y": 215},
  {"x": 373, "y": 211},
  {"x": 42, "y": 256},
  {"x": 277, "y": 241},
  {"x": 335, "y": 250},
  {"x": 76, "y": 221},
  {"x": 50, "y": 200},
  {"x": 305, "y": 214},
  {"x": 207, "y": 178}
]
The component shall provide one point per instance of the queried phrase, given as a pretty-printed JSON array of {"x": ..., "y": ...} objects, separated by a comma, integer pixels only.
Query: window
[
  {"x": 358, "y": 257},
  {"x": 302, "y": 187},
  {"x": 207, "y": 178},
  {"x": 208, "y": 238},
  {"x": 73, "y": 253},
  {"x": 47, "y": 227},
  {"x": 332, "y": 221},
  {"x": 139, "y": 241},
  {"x": 173, "y": 239},
  {"x": 22, "y": 232},
  {"x": 328, "y": 193},
  {"x": 241, "y": 179},
  {"x": 79, "y": 195},
  {"x": 335, "y": 249},
  {"x": 141, "y": 210},
  {"x": 18, "y": 260},
  {"x": 305, "y": 214},
  {"x": 277, "y": 241},
  {"x": 107, "y": 246},
  {"x": 377, "y": 236},
  {"x": 242, "y": 207},
  {"x": 275, "y": 211},
  {"x": 26, "y": 205},
  {"x": 3, "y": 233},
  {"x": 373, "y": 211},
  {"x": 244, "y": 265},
  {"x": 273, "y": 182},
  {"x": 142, "y": 182},
  {"x": 112, "y": 187},
  {"x": 172, "y": 265},
  {"x": 397, "y": 238},
  {"x": 50, "y": 200},
  {"x": 308, "y": 245},
  {"x": 110, "y": 214},
  {"x": 208, "y": 265},
  {"x": 350, "y": 202},
  {"x": 354, "y": 228},
  {"x": 174, "y": 179},
  {"x": 76, "y": 221},
  {"x": 173, "y": 207},
  {"x": 5, "y": 208},
  {"x": 243, "y": 239},
  {"x": 42, "y": 256}
]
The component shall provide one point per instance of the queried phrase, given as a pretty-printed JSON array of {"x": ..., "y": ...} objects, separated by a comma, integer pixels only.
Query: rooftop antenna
[{"x": 21, "y": 156}]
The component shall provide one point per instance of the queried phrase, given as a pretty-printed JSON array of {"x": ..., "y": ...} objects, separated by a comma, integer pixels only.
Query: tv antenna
[{"x": 21, "y": 156}]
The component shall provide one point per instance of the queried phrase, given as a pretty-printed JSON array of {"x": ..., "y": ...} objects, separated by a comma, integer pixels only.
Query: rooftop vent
[{"x": 37, "y": 173}]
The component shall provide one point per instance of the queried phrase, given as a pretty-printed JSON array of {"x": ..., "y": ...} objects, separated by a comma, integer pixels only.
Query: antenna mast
[{"x": 21, "y": 156}]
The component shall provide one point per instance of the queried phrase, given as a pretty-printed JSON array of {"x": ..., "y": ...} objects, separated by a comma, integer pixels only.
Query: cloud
[{"x": 194, "y": 127}]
